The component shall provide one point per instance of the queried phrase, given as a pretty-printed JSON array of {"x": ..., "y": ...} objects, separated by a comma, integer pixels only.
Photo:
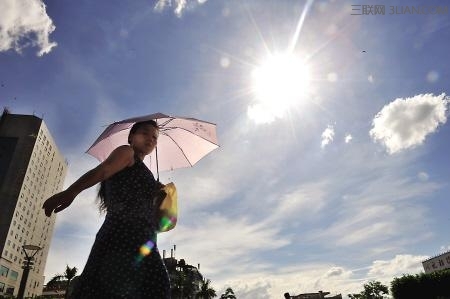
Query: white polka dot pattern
[{"x": 113, "y": 269}]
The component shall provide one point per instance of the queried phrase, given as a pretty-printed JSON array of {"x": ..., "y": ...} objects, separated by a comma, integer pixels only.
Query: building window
[
  {"x": 4, "y": 271},
  {"x": 13, "y": 275},
  {"x": 9, "y": 290},
  {"x": 2, "y": 287}
]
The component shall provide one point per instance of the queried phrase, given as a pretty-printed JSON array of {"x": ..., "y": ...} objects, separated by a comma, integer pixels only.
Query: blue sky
[{"x": 340, "y": 177}]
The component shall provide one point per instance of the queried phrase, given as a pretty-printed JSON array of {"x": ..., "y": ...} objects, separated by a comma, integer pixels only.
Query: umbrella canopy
[{"x": 182, "y": 141}]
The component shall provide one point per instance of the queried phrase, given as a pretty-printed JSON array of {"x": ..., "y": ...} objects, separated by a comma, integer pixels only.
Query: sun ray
[
  {"x": 234, "y": 57},
  {"x": 257, "y": 29},
  {"x": 299, "y": 26}
]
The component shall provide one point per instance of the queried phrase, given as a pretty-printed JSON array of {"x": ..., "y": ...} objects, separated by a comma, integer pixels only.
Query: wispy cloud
[
  {"x": 406, "y": 122},
  {"x": 368, "y": 217},
  {"x": 423, "y": 176},
  {"x": 25, "y": 23},
  {"x": 178, "y": 6},
  {"x": 225, "y": 244}
]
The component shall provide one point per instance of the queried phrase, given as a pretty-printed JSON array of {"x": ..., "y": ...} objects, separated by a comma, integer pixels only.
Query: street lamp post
[{"x": 27, "y": 263}]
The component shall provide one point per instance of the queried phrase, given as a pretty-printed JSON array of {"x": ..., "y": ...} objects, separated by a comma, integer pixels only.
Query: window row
[{"x": 6, "y": 272}]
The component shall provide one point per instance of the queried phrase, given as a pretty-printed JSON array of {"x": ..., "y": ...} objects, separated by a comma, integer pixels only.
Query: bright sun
[{"x": 278, "y": 84}]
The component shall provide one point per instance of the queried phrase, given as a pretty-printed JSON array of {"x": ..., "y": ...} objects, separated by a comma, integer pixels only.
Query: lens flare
[
  {"x": 166, "y": 222},
  {"x": 145, "y": 250}
]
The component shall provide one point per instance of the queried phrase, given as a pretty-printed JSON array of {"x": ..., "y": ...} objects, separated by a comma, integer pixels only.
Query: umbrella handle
[
  {"x": 157, "y": 169},
  {"x": 156, "y": 149}
]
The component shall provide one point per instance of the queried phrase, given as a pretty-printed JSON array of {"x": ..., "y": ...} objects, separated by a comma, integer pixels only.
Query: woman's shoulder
[
  {"x": 124, "y": 152},
  {"x": 127, "y": 149}
]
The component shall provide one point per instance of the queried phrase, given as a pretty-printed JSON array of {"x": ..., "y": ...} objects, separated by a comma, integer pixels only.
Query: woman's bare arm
[{"x": 120, "y": 158}]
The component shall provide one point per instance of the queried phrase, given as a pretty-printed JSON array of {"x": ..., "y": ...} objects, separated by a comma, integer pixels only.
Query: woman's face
[{"x": 144, "y": 139}]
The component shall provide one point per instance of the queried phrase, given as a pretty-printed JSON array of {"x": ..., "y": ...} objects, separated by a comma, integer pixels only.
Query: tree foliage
[
  {"x": 434, "y": 285},
  {"x": 206, "y": 291},
  {"x": 372, "y": 290},
  {"x": 66, "y": 277},
  {"x": 229, "y": 294}
]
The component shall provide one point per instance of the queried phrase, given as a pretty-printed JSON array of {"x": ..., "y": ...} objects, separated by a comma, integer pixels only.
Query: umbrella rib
[
  {"x": 187, "y": 159},
  {"x": 171, "y": 128}
]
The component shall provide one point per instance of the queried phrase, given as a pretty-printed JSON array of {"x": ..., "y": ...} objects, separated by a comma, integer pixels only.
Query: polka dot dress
[{"x": 115, "y": 267}]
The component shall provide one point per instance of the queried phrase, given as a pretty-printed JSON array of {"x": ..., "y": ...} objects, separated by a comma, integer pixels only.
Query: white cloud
[
  {"x": 313, "y": 277},
  {"x": 161, "y": 5},
  {"x": 444, "y": 248},
  {"x": 293, "y": 280},
  {"x": 179, "y": 6},
  {"x": 327, "y": 136},
  {"x": 401, "y": 264},
  {"x": 405, "y": 123},
  {"x": 25, "y": 23},
  {"x": 348, "y": 138}
]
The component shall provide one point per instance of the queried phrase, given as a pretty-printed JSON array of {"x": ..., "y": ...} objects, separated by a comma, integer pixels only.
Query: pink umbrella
[{"x": 182, "y": 141}]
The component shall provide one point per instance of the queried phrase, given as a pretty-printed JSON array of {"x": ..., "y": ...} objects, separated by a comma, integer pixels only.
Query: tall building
[
  {"x": 31, "y": 170},
  {"x": 437, "y": 263}
]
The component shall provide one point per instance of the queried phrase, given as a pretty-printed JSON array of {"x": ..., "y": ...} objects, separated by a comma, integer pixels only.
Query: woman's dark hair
[{"x": 134, "y": 128}]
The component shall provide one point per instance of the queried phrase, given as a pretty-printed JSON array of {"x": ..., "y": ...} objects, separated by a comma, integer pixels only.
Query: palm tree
[
  {"x": 67, "y": 276},
  {"x": 229, "y": 294},
  {"x": 206, "y": 291}
]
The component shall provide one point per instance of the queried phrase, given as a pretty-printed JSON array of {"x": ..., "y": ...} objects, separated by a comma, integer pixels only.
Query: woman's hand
[
  {"x": 159, "y": 185},
  {"x": 58, "y": 202}
]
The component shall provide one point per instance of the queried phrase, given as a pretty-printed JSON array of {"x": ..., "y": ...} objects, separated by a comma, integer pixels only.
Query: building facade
[
  {"x": 31, "y": 170},
  {"x": 437, "y": 263}
]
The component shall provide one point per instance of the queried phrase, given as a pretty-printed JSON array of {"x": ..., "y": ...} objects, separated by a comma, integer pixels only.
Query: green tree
[
  {"x": 206, "y": 291},
  {"x": 67, "y": 277},
  {"x": 229, "y": 294},
  {"x": 372, "y": 290},
  {"x": 432, "y": 285}
]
